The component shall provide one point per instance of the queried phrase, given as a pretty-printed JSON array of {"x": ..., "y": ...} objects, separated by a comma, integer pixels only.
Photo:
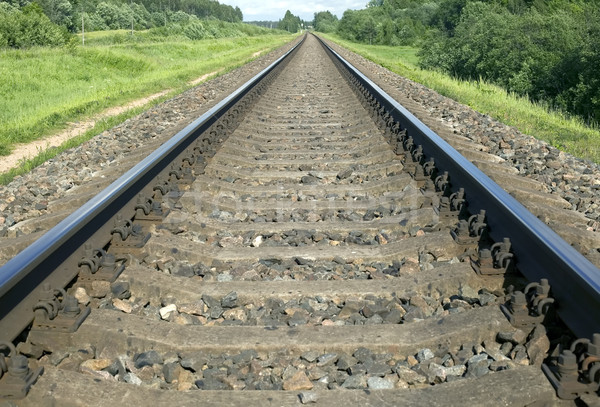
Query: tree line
[
  {"x": 49, "y": 22},
  {"x": 548, "y": 50}
]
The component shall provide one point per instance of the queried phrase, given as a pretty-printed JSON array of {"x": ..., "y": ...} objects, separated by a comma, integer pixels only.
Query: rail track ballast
[{"x": 307, "y": 240}]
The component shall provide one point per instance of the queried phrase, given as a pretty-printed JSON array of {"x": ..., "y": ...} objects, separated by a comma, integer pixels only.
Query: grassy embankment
[
  {"x": 45, "y": 88},
  {"x": 568, "y": 134}
]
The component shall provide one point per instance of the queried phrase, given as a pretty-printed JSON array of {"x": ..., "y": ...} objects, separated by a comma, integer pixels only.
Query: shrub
[{"x": 29, "y": 27}]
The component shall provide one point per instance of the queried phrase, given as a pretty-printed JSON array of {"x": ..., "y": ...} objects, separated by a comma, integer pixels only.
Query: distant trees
[
  {"x": 27, "y": 27},
  {"x": 548, "y": 50},
  {"x": 59, "y": 12},
  {"x": 111, "y": 14},
  {"x": 40, "y": 22},
  {"x": 264, "y": 23},
  {"x": 290, "y": 23},
  {"x": 551, "y": 55},
  {"x": 388, "y": 22},
  {"x": 325, "y": 22}
]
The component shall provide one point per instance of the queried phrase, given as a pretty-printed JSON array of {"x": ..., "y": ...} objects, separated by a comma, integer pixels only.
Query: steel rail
[
  {"x": 539, "y": 251},
  {"x": 47, "y": 259}
]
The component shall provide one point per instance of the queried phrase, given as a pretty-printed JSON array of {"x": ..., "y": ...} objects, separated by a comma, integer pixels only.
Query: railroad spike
[
  {"x": 442, "y": 183},
  {"x": 454, "y": 205},
  {"x": 575, "y": 371},
  {"x": 127, "y": 237},
  {"x": 16, "y": 377},
  {"x": 98, "y": 265},
  {"x": 58, "y": 311},
  {"x": 149, "y": 211},
  {"x": 529, "y": 307},
  {"x": 160, "y": 189},
  {"x": 470, "y": 232},
  {"x": 494, "y": 260}
]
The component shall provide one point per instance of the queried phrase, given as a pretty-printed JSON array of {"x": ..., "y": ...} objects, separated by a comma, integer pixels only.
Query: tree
[
  {"x": 448, "y": 15},
  {"x": 29, "y": 27},
  {"x": 109, "y": 14},
  {"x": 59, "y": 11},
  {"x": 325, "y": 22},
  {"x": 290, "y": 23}
]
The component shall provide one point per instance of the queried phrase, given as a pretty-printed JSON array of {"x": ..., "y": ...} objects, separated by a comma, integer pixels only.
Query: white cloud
[{"x": 274, "y": 10}]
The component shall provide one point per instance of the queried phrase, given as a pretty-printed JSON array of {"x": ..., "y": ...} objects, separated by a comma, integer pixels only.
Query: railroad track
[{"x": 297, "y": 242}]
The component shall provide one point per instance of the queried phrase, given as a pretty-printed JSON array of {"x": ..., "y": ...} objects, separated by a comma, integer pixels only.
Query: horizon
[{"x": 274, "y": 10}]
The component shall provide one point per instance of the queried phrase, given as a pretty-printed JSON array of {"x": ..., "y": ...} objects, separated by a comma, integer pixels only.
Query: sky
[{"x": 274, "y": 10}]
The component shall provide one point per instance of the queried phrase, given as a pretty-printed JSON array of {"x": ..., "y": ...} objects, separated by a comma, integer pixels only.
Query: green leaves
[
  {"x": 549, "y": 56},
  {"x": 290, "y": 23},
  {"x": 29, "y": 27},
  {"x": 325, "y": 22}
]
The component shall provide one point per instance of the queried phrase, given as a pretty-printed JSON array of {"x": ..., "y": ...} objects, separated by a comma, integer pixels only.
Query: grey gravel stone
[
  {"x": 424, "y": 354},
  {"x": 409, "y": 376},
  {"x": 455, "y": 370},
  {"x": 357, "y": 369},
  {"x": 131, "y": 378},
  {"x": 170, "y": 371},
  {"x": 379, "y": 383},
  {"x": 469, "y": 294},
  {"x": 194, "y": 361},
  {"x": 519, "y": 354},
  {"x": 477, "y": 358},
  {"x": 308, "y": 397},
  {"x": 244, "y": 356},
  {"x": 506, "y": 348},
  {"x": 345, "y": 361},
  {"x": 363, "y": 354},
  {"x": 378, "y": 369},
  {"x": 310, "y": 356},
  {"x": 120, "y": 289},
  {"x": 327, "y": 359},
  {"x": 515, "y": 337},
  {"x": 147, "y": 359},
  {"x": 355, "y": 382},
  {"x": 437, "y": 373},
  {"x": 230, "y": 300},
  {"x": 478, "y": 369},
  {"x": 345, "y": 173},
  {"x": 182, "y": 269},
  {"x": 210, "y": 384},
  {"x": 486, "y": 298},
  {"x": 57, "y": 357}
]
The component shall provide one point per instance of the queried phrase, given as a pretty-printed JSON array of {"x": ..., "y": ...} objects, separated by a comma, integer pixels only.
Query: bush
[
  {"x": 29, "y": 27},
  {"x": 195, "y": 31},
  {"x": 551, "y": 57}
]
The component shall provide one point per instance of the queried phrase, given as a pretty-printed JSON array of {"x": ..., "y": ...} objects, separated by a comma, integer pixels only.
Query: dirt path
[{"x": 29, "y": 150}]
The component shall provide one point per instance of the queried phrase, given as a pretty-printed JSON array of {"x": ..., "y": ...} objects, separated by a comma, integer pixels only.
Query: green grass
[
  {"x": 45, "y": 88},
  {"x": 44, "y": 155},
  {"x": 536, "y": 119}
]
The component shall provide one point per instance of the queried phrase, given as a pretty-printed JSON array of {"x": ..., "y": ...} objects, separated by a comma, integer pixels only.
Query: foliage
[
  {"x": 579, "y": 70},
  {"x": 325, "y": 22},
  {"x": 264, "y": 23},
  {"x": 394, "y": 22},
  {"x": 60, "y": 12},
  {"x": 549, "y": 57},
  {"x": 290, "y": 23},
  {"x": 28, "y": 27},
  {"x": 100, "y": 15},
  {"x": 195, "y": 29},
  {"x": 547, "y": 50},
  {"x": 448, "y": 14}
]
